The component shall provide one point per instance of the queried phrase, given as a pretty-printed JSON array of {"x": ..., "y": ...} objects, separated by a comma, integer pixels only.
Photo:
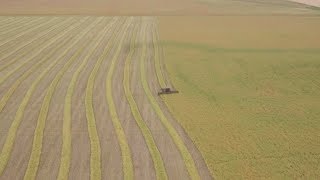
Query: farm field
[
  {"x": 157, "y": 7},
  {"x": 78, "y": 100},
  {"x": 249, "y": 92},
  {"x": 79, "y": 83}
]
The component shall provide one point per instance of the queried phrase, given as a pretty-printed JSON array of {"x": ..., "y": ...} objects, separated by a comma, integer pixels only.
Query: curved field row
[
  {"x": 27, "y": 43},
  {"x": 14, "y": 41},
  {"x": 82, "y": 104},
  {"x": 38, "y": 134},
  {"x": 95, "y": 155},
  {"x": 157, "y": 60},
  {"x": 46, "y": 22},
  {"x": 125, "y": 149},
  {"x": 20, "y": 44},
  {"x": 39, "y": 51},
  {"x": 9, "y": 141},
  {"x": 189, "y": 162},
  {"x": 66, "y": 138},
  {"x": 5, "y": 19},
  {"x": 19, "y": 26},
  {"x": 14, "y": 23},
  {"x": 153, "y": 150},
  {"x": 25, "y": 75}
]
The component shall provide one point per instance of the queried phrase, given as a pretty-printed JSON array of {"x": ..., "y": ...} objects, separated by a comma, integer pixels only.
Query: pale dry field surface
[{"x": 79, "y": 100}]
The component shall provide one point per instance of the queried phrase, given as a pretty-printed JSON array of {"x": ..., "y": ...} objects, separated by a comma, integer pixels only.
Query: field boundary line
[
  {"x": 126, "y": 156},
  {"x": 47, "y": 44},
  {"x": 11, "y": 136},
  {"x": 185, "y": 154},
  {"x": 26, "y": 74},
  {"x": 95, "y": 149},
  {"x": 153, "y": 149},
  {"x": 67, "y": 117},
  {"x": 28, "y": 31},
  {"x": 29, "y": 42},
  {"x": 34, "y": 160}
]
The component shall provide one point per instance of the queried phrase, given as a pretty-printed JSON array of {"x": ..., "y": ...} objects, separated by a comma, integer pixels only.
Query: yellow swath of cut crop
[
  {"x": 28, "y": 31},
  {"x": 30, "y": 45},
  {"x": 189, "y": 162},
  {"x": 95, "y": 150},
  {"x": 66, "y": 136},
  {"x": 154, "y": 152},
  {"x": 34, "y": 160},
  {"x": 124, "y": 146},
  {"x": 11, "y": 136},
  {"x": 157, "y": 60},
  {"x": 22, "y": 24},
  {"x": 26, "y": 74},
  {"x": 14, "y": 70}
]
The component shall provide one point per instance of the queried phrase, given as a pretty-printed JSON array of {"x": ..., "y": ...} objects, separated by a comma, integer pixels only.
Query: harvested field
[{"x": 78, "y": 100}]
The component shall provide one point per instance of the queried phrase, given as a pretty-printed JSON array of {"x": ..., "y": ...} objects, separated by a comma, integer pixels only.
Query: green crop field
[{"x": 250, "y": 99}]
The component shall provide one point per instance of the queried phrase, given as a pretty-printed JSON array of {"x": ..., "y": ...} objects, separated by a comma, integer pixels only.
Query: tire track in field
[
  {"x": 11, "y": 136},
  {"x": 27, "y": 43},
  {"x": 21, "y": 25},
  {"x": 186, "y": 156},
  {"x": 38, "y": 135},
  {"x": 67, "y": 119},
  {"x": 27, "y": 31},
  {"x": 124, "y": 146},
  {"x": 17, "y": 68},
  {"x": 153, "y": 150},
  {"x": 34, "y": 67},
  {"x": 95, "y": 149}
]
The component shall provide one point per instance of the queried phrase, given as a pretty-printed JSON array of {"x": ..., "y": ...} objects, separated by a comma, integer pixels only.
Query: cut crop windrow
[
  {"x": 27, "y": 31},
  {"x": 18, "y": 22},
  {"x": 17, "y": 68},
  {"x": 6, "y": 20},
  {"x": 185, "y": 154},
  {"x": 154, "y": 152},
  {"x": 26, "y": 74},
  {"x": 67, "y": 118},
  {"x": 124, "y": 146},
  {"x": 157, "y": 60},
  {"x": 27, "y": 43},
  {"x": 20, "y": 26},
  {"x": 34, "y": 160},
  {"x": 95, "y": 149},
  {"x": 11, "y": 136}
]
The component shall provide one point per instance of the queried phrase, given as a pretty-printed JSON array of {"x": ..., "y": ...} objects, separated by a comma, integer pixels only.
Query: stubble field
[{"x": 79, "y": 100}]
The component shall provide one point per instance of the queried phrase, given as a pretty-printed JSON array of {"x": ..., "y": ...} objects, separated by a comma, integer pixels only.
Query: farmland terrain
[
  {"x": 249, "y": 92},
  {"x": 79, "y": 87},
  {"x": 157, "y": 7},
  {"x": 79, "y": 100}
]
